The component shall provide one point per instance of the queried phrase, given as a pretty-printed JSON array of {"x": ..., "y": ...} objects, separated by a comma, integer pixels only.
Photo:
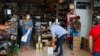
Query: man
[
  {"x": 60, "y": 33},
  {"x": 76, "y": 26},
  {"x": 94, "y": 40}
]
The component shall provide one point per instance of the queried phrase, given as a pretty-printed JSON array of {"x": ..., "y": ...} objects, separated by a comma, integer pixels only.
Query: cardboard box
[
  {"x": 76, "y": 44},
  {"x": 76, "y": 48}
]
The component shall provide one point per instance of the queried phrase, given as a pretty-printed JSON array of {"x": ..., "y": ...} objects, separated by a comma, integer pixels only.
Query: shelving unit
[
  {"x": 96, "y": 14},
  {"x": 8, "y": 40},
  {"x": 1, "y": 15},
  {"x": 31, "y": 8},
  {"x": 63, "y": 9},
  {"x": 41, "y": 37}
]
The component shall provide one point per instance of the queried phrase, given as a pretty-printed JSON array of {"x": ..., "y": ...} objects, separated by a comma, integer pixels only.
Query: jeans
[
  {"x": 76, "y": 34},
  {"x": 59, "y": 43},
  {"x": 96, "y": 54}
]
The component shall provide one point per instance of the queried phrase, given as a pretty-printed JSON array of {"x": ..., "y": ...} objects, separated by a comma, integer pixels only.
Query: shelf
[
  {"x": 61, "y": 14},
  {"x": 65, "y": 9}
]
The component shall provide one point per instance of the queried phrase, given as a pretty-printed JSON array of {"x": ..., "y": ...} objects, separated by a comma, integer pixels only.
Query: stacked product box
[
  {"x": 76, "y": 44},
  {"x": 39, "y": 45}
]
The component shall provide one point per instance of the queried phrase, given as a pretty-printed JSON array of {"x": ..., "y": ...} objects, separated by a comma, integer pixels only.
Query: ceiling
[{"x": 29, "y": 1}]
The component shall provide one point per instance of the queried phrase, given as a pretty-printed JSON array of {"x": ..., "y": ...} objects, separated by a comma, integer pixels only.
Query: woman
[{"x": 26, "y": 24}]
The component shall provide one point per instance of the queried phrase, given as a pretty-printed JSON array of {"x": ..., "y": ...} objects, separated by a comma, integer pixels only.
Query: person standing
[
  {"x": 60, "y": 33},
  {"x": 94, "y": 40},
  {"x": 26, "y": 24},
  {"x": 76, "y": 26}
]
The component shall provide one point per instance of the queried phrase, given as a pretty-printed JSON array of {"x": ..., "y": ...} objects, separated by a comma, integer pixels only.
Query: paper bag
[
  {"x": 24, "y": 37},
  {"x": 49, "y": 50}
]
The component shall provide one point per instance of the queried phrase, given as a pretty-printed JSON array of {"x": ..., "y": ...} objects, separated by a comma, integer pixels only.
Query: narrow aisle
[{"x": 67, "y": 52}]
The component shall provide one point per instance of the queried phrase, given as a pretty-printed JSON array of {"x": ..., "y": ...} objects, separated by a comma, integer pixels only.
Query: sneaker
[{"x": 55, "y": 51}]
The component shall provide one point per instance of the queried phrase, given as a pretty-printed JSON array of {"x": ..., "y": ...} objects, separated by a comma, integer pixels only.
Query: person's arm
[
  {"x": 53, "y": 41},
  {"x": 3, "y": 27},
  {"x": 91, "y": 43},
  {"x": 53, "y": 36},
  {"x": 21, "y": 22},
  {"x": 30, "y": 24},
  {"x": 77, "y": 27},
  {"x": 44, "y": 30}
]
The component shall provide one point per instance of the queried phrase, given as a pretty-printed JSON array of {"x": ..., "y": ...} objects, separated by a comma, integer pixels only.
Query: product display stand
[
  {"x": 39, "y": 45},
  {"x": 8, "y": 39}
]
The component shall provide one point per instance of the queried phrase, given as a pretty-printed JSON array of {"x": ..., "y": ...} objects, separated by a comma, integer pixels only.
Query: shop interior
[{"x": 41, "y": 13}]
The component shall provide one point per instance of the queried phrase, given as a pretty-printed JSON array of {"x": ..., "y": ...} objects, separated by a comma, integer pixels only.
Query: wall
[
  {"x": 86, "y": 22},
  {"x": 86, "y": 19},
  {"x": 83, "y": 0}
]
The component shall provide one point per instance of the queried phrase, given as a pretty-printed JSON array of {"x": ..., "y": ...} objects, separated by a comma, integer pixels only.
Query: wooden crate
[{"x": 85, "y": 44}]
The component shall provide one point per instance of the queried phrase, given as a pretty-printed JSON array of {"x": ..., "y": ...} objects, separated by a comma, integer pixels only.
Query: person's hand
[
  {"x": 7, "y": 27},
  {"x": 53, "y": 44},
  {"x": 30, "y": 28}
]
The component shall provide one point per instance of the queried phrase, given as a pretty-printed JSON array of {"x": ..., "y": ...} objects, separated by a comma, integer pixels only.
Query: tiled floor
[{"x": 67, "y": 52}]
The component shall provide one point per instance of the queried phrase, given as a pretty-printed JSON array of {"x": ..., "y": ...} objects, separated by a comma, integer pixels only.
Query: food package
[
  {"x": 41, "y": 46},
  {"x": 37, "y": 45},
  {"x": 39, "y": 39}
]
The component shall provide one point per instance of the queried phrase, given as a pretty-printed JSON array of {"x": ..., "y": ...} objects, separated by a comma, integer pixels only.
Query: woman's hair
[
  {"x": 26, "y": 15},
  {"x": 53, "y": 20}
]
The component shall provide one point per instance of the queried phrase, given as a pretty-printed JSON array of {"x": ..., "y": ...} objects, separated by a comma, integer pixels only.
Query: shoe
[
  {"x": 60, "y": 55},
  {"x": 55, "y": 51}
]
